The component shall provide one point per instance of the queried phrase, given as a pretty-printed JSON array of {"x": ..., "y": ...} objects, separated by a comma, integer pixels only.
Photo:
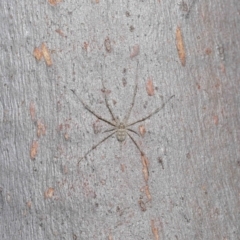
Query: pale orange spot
[
  {"x": 32, "y": 110},
  {"x": 142, "y": 130},
  {"x": 41, "y": 129},
  {"x": 49, "y": 193},
  {"x": 154, "y": 230},
  {"x": 145, "y": 164},
  {"x": 135, "y": 51},
  {"x": 34, "y": 150},
  {"x": 54, "y": 2},
  {"x": 150, "y": 87},
  {"x": 46, "y": 54},
  {"x": 180, "y": 46},
  {"x": 37, "y": 53}
]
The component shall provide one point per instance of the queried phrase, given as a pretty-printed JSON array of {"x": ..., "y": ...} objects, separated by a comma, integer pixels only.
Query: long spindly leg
[
  {"x": 133, "y": 100},
  {"x": 109, "y": 130},
  {"x": 129, "y": 129},
  {"x": 151, "y": 114},
  {"x": 91, "y": 111},
  {"x": 106, "y": 101},
  {"x": 142, "y": 153},
  {"x": 95, "y": 146}
]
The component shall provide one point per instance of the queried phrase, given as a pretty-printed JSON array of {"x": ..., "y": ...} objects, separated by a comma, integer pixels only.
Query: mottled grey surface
[{"x": 195, "y": 191}]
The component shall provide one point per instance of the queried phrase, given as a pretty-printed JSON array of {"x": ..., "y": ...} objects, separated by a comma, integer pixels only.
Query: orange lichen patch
[
  {"x": 215, "y": 119},
  {"x": 85, "y": 45},
  {"x": 46, "y": 54},
  {"x": 49, "y": 193},
  {"x": 107, "y": 45},
  {"x": 123, "y": 166},
  {"x": 147, "y": 192},
  {"x": 135, "y": 51},
  {"x": 150, "y": 87},
  {"x": 32, "y": 111},
  {"x": 41, "y": 129},
  {"x": 66, "y": 136},
  {"x": 37, "y": 53},
  {"x": 59, "y": 31},
  {"x": 142, "y": 130},
  {"x": 222, "y": 68},
  {"x": 34, "y": 150},
  {"x": 145, "y": 164},
  {"x": 29, "y": 204},
  {"x": 64, "y": 126},
  {"x": 154, "y": 230},
  {"x": 180, "y": 46},
  {"x": 208, "y": 51},
  {"x": 54, "y": 2}
]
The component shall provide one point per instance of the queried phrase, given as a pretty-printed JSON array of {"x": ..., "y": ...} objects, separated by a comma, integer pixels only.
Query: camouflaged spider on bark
[{"x": 120, "y": 128}]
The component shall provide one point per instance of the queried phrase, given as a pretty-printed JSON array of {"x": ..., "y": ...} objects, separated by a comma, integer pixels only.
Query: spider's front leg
[
  {"x": 151, "y": 114},
  {"x": 91, "y": 111}
]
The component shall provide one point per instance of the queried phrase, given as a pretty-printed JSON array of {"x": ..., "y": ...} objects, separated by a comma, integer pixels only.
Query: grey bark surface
[{"x": 192, "y": 145}]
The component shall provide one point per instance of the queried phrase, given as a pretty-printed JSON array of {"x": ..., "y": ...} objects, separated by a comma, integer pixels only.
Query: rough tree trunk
[{"x": 184, "y": 184}]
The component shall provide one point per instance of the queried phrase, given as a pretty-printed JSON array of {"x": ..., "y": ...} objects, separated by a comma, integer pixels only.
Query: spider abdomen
[
  {"x": 121, "y": 135},
  {"x": 121, "y": 132}
]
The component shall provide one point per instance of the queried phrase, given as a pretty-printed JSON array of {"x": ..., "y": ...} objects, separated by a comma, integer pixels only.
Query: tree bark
[{"x": 177, "y": 178}]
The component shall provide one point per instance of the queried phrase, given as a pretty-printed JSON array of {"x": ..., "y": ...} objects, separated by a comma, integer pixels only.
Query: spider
[{"x": 120, "y": 128}]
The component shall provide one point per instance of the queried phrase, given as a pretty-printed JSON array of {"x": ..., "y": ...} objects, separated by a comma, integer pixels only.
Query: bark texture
[{"x": 185, "y": 184}]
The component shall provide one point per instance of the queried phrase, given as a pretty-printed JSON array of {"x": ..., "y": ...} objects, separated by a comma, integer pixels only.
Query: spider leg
[
  {"x": 95, "y": 146},
  {"x": 129, "y": 129},
  {"x": 151, "y": 114},
  {"x": 91, "y": 111},
  {"x": 142, "y": 153},
  {"x": 134, "y": 95},
  {"x": 109, "y": 130},
  {"x": 106, "y": 101}
]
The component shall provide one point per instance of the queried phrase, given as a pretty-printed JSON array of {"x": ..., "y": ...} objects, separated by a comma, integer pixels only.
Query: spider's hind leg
[
  {"x": 95, "y": 146},
  {"x": 135, "y": 143}
]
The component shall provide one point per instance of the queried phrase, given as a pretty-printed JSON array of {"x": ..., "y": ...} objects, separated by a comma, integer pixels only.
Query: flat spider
[{"x": 120, "y": 128}]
